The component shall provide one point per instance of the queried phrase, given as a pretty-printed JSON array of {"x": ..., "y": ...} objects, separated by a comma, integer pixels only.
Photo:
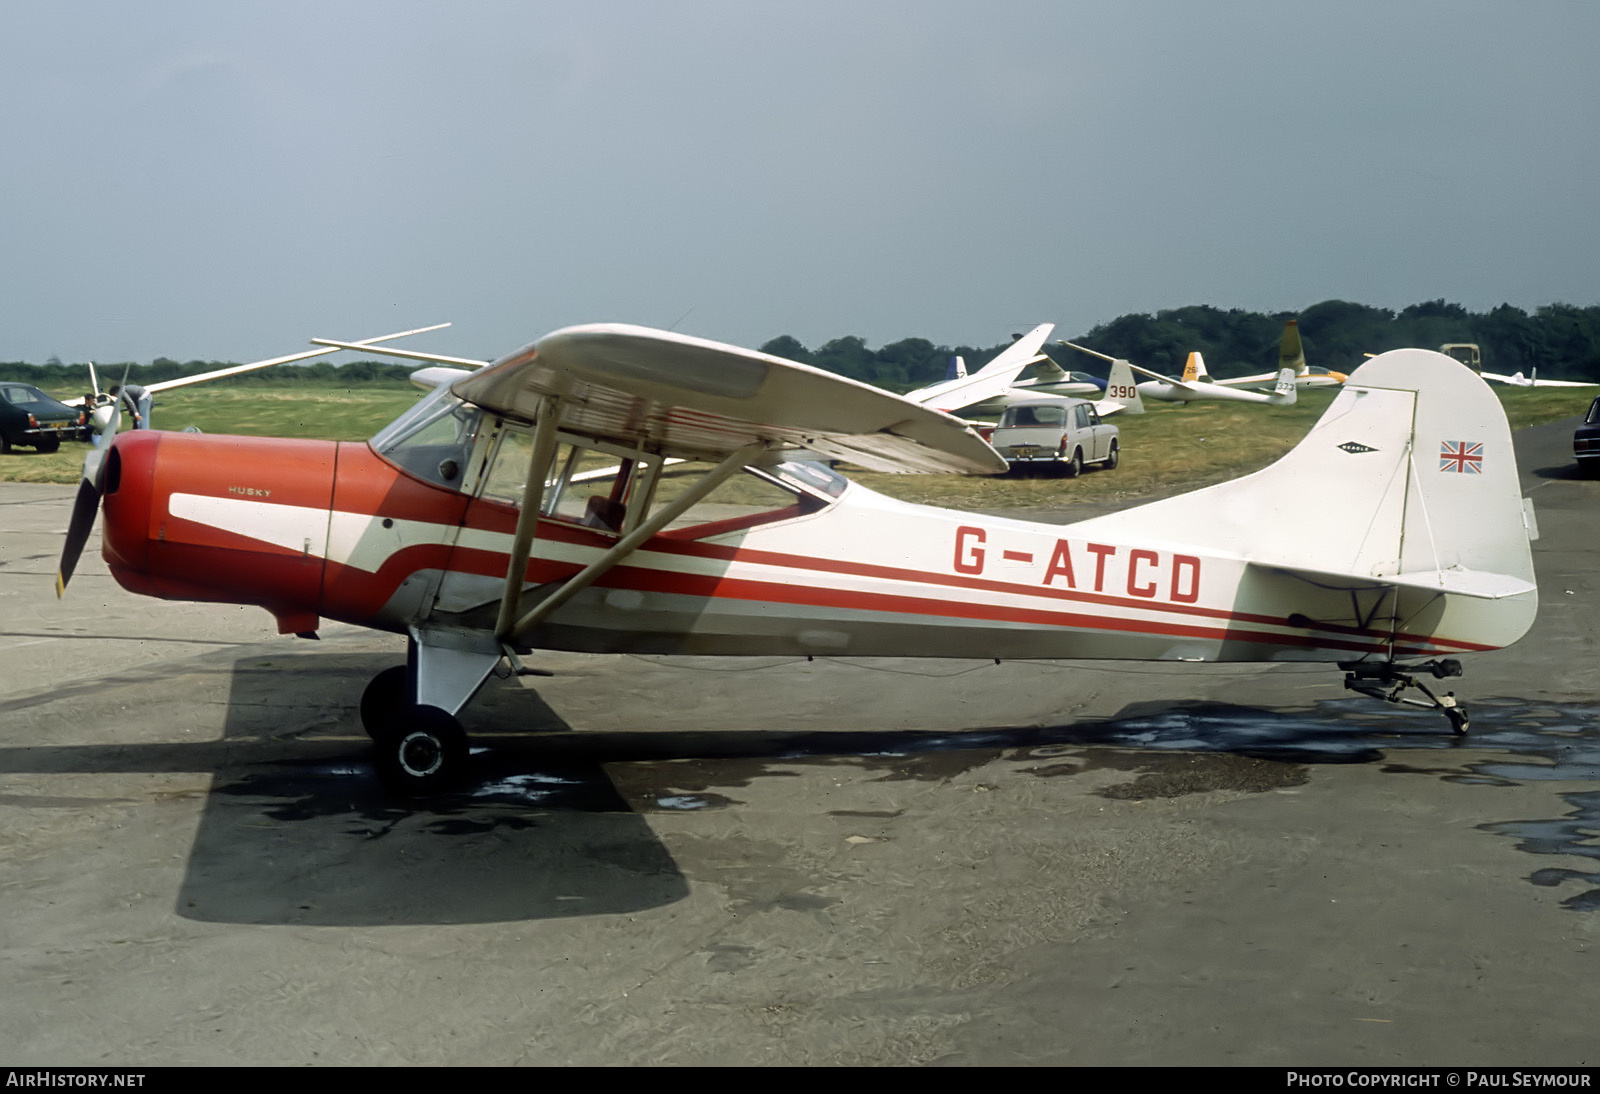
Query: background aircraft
[
  {"x": 476, "y": 526},
  {"x": 1516, "y": 379},
  {"x": 1169, "y": 389},
  {"x": 999, "y": 383},
  {"x": 1290, "y": 356}
]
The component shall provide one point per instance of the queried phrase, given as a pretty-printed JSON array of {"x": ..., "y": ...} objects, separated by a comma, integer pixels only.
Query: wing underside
[{"x": 692, "y": 398}]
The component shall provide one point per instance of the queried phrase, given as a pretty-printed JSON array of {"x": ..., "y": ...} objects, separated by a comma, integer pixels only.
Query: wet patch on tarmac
[
  {"x": 1167, "y": 776},
  {"x": 1534, "y": 742},
  {"x": 1574, "y": 834}
]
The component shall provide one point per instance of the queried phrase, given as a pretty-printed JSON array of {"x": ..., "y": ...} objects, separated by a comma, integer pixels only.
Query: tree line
[{"x": 1562, "y": 341}]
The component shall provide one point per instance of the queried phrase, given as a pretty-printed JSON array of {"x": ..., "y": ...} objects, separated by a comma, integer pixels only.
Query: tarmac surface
[{"x": 770, "y": 861}]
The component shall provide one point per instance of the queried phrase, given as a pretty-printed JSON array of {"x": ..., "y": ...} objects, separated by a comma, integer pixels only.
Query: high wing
[
  {"x": 689, "y": 397},
  {"x": 989, "y": 382}
]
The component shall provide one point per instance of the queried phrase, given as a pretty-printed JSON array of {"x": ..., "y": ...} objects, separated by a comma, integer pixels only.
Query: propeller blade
[{"x": 84, "y": 508}]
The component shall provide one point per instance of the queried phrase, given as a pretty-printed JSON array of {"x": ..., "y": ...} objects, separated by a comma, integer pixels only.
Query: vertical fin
[
  {"x": 1290, "y": 354},
  {"x": 1122, "y": 394}
]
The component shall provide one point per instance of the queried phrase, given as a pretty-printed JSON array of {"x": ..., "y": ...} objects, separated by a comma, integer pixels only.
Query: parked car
[
  {"x": 1055, "y": 432},
  {"x": 1586, "y": 442},
  {"x": 30, "y": 417}
]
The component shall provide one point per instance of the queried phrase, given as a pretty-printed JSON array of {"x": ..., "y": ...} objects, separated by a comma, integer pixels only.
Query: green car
[{"x": 30, "y": 417}]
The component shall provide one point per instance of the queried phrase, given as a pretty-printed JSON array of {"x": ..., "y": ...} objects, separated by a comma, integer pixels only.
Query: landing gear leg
[
  {"x": 409, "y": 710},
  {"x": 1388, "y": 681}
]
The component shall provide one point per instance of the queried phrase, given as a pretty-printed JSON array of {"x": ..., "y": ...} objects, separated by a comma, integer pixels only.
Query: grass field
[{"x": 1171, "y": 447}]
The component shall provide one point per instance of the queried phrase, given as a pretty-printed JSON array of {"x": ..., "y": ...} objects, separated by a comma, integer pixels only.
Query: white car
[{"x": 1055, "y": 432}]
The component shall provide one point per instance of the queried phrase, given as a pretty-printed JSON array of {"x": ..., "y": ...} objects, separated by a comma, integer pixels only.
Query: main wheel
[
  {"x": 422, "y": 751},
  {"x": 1113, "y": 457},
  {"x": 1458, "y": 720},
  {"x": 386, "y": 695}
]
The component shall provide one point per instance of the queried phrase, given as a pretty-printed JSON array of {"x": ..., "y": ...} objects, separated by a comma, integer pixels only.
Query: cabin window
[
  {"x": 754, "y": 497},
  {"x": 433, "y": 440},
  {"x": 584, "y": 486},
  {"x": 590, "y": 488}
]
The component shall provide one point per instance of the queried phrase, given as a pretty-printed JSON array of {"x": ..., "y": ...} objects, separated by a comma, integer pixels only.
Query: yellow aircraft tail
[
  {"x": 1194, "y": 369},
  {"x": 1290, "y": 355}
]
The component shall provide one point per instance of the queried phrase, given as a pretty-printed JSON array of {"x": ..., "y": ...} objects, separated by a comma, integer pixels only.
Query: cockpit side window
[
  {"x": 584, "y": 486},
  {"x": 757, "y": 496},
  {"x": 433, "y": 440}
]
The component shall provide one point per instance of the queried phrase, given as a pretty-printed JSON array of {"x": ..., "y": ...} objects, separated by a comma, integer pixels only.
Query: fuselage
[{"x": 315, "y": 530}]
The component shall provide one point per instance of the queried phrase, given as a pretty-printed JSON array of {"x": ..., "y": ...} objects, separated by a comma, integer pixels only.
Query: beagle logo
[{"x": 1353, "y": 447}]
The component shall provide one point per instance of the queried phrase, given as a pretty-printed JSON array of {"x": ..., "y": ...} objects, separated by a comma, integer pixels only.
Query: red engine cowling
[{"x": 238, "y": 520}]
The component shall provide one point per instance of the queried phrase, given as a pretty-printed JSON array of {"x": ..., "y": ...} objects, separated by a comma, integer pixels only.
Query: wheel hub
[{"x": 421, "y": 754}]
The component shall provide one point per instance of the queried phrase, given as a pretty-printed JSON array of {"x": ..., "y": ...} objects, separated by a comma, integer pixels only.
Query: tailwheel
[
  {"x": 421, "y": 751},
  {"x": 385, "y": 696},
  {"x": 1389, "y": 681}
]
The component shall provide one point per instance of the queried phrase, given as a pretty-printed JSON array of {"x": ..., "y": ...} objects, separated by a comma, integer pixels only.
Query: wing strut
[
  {"x": 544, "y": 449},
  {"x": 624, "y": 547}
]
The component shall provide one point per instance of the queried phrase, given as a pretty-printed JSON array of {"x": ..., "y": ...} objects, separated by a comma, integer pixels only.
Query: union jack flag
[{"x": 1462, "y": 457}]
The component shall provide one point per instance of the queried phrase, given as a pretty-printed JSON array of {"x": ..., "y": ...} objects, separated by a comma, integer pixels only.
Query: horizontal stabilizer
[{"x": 1478, "y": 584}]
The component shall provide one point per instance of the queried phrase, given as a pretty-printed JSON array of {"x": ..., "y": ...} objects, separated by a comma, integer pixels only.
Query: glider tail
[
  {"x": 1290, "y": 353},
  {"x": 1122, "y": 394}
]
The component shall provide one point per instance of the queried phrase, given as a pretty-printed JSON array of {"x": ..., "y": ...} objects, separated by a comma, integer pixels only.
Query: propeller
[{"x": 86, "y": 505}]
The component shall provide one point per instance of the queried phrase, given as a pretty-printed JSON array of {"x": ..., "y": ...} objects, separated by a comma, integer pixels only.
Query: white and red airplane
[{"x": 527, "y": 505}]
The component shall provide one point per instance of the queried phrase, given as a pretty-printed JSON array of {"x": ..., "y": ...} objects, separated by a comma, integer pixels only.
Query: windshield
[{"x": 433, "y": 439}]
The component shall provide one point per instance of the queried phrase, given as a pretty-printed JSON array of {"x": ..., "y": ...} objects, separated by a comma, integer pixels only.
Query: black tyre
[
  {"x": 1075, "y": 465},
  {"x": 5, "y": 444},
  {"x": 1113, "y": 457},
  {"x": 421, "y": 752},
  {"x": 1458, "y": 720},
  {"x": 48, "y": 444},
  {"x": 386, "y": 696}
]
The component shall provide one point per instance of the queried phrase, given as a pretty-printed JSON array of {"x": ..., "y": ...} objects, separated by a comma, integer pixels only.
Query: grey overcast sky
[{"x": 224, "y": 180}]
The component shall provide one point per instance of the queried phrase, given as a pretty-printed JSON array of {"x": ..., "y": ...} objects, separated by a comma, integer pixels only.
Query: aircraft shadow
[{"x": 298, "y": 830}]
